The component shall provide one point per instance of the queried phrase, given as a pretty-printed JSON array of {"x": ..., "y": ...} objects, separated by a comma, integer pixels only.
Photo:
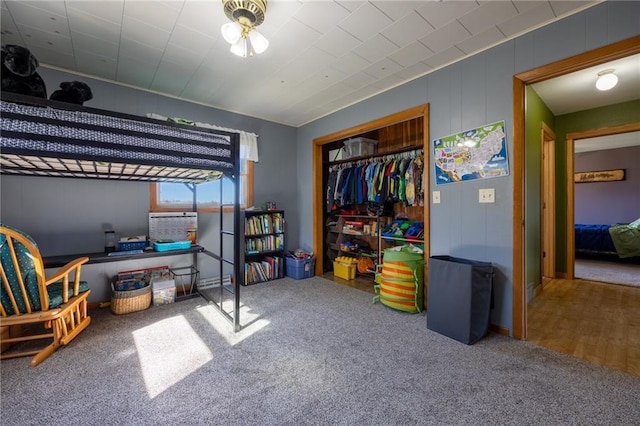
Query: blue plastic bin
[{"x": 299, "y": 269}]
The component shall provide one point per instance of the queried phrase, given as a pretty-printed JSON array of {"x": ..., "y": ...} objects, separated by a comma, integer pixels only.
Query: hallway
[{"x": 593, "y": 321}]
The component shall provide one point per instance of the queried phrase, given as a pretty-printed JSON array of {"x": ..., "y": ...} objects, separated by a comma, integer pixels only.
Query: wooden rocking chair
[{"x": 35, "y": 307}]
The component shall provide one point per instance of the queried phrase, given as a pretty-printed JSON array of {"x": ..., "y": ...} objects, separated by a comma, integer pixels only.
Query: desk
[
  {"x": 101, "y": 257},
  {"x": 102, "y": 293}
]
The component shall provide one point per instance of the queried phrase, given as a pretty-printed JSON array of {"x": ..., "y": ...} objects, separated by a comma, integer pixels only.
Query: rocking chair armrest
[{"x": 64, "y": 272}]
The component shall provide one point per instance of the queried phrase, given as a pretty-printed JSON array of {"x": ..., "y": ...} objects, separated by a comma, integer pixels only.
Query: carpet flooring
[
  {"x": 311, "y": 352},
  {"x": 608, "y": 272}
]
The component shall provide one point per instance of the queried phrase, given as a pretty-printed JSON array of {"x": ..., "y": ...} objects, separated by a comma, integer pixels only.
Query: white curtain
[{"x": 248, "y": 141}]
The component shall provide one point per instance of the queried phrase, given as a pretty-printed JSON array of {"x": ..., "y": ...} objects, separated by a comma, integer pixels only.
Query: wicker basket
[{"x": 124, "y": 302}]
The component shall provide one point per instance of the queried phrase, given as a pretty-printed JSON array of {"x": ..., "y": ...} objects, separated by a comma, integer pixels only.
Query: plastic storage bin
[
  {"x": 345, "y": 267},
  {"x": 359, "y": 147},
  {"x": 164, "y": 292},
  {"x": 459, "y": 298},
  {"x": 299, "y": 269}
]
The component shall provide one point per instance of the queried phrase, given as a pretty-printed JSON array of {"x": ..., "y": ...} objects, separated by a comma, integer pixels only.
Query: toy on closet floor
[{"x": 19, "y": 72}]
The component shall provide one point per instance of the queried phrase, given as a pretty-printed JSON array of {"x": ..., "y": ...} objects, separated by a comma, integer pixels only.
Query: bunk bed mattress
[{"x": 46, "y": 141}]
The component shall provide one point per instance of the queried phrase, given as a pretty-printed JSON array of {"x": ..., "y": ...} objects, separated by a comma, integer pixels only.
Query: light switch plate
[
  {"x": 487, "y": 195},
  {"x": 436, "y": 197}
]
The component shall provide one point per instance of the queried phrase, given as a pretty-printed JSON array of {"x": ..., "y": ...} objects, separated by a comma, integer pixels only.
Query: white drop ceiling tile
[
  {"x": 46, "y": 40},
  {"x": 321, "y": 16},
  {"x": 84, "y": 23},
  {"x": 358, "y": 80},
  {"x": 397, "y": 9},
  {"x": 47, "y": 56},
  {"x": 411, "y": 54},
  {"x": 202, "y": 84},
  {"x": 337, "y": 42},
  {"x": 523, "y": 6},
  {"x": 561, "y": 8},
  {"x": 487, "y": 15},
  {"x": 44, "y": 20},
  {"x": 282, "y": 46},
  {"x": 134, "y": 72},
  {"x": 169, "y": 78},
  {"x": 414, "y": 71},
  {"x": 328, "y": 76},
  {"x": 375, "y": 48},
  {"x": 190, "y": 39},
  {"x": 144, "y": 33},
  {"x": 57, "y": 7},
  {"x": 91, "y": 64},
  {"x": 439, "y": 14},
  {"x": 278, "y": 14},
  {"x": 185, "y": 57},
  {"x": 111, "y": 11},
  {"x": 408, "y": 29},
  {"x": 98, "y": 46},
  {"x": 351, "y": 5},
  {"x": 11, "y": 37},
  {"x": 383, "y": 68},
  {"x": 350, "y": 63},
  {"x": 157, "y": 14},
  {"x": 388, "y": 82},
  {"x": 143, "y": 53},
  {"x": 481, "y": 41},
  {"x": 204, "y": 16},
  {"x": 524, "y": 21},
  {"x": 445, "y": 57},
  {"x": 7, "y": 22},
  {"x": 445, "y": 37},
  {"x": 365, "y": 22}
]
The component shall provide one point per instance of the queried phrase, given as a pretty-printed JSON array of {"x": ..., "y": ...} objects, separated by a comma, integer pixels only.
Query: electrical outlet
[
  {"x": 436, "y": 197},
  {"x": 487, "y": 195}
]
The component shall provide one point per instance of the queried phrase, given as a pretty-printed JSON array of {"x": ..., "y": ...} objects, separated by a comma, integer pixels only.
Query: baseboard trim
[{"x": 499, "y": 329}]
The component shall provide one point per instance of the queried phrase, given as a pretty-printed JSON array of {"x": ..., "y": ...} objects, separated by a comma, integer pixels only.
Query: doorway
[
  {"x": 595, "y": 57},
  {"x": 601, "y": 263}
]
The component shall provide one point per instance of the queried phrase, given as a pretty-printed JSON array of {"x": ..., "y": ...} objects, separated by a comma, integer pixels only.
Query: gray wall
[
  {"x": 465, "y": 95},
  {"x": 67, "y": 216},
  {"x": 608, "y": 202}
]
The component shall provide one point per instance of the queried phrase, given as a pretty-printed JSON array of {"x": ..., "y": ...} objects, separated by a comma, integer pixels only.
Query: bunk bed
[{"x": 40, "y": 137}]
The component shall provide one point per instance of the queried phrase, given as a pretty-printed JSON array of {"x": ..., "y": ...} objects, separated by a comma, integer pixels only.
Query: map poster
[{"x": 473, "y": 154}]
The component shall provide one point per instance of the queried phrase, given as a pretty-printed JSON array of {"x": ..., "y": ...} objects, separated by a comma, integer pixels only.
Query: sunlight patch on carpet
[
  {"x": 168, "y": 351},
  {"x": 251, "y": 323}
]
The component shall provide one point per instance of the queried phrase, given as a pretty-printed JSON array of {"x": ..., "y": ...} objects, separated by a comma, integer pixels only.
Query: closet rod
[{"x": 377, "y": 155}]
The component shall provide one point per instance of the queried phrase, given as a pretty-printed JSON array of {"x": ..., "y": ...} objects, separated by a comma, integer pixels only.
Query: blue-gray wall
[
  {"x": 470, "y": 93},
  {"x": 67, "y": 216}
]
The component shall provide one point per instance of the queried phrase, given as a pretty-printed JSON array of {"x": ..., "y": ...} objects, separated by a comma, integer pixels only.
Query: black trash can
[{"x": 459, "y": 298}]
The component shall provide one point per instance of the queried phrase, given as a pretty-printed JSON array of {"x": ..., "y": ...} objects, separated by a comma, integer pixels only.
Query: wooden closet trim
[{"x": 421, "y": 111}]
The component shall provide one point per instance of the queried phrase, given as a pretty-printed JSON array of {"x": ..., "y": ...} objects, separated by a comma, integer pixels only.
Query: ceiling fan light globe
[
  {"x": 258, "y": 41},
  {"x": 231, "y": 31},
  {"x": 239, "y": 47}
]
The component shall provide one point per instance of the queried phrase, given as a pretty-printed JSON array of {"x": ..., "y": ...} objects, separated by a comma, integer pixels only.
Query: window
[{"x": 170, "y": 196}]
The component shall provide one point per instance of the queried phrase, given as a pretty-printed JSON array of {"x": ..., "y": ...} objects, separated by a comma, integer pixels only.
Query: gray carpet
[
  {"x": 312, "y": 352},
  {"x": 608, "y": 272}
]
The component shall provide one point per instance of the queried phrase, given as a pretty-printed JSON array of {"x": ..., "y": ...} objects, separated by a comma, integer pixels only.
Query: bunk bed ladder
[{"x": 236, "y": 261}]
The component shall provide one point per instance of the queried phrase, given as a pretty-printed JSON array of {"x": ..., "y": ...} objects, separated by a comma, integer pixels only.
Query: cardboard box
[{"x": 164, "y": 292}]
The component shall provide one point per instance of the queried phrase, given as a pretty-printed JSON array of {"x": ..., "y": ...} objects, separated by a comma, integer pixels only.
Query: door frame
[
  {"x": 571, "y": 200},
  {"x": 548, "y": 187},
  {"x": 587, "y": 59}
]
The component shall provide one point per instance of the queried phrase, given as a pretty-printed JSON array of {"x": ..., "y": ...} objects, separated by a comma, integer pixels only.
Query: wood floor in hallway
[{"x": 590, "y": 320}]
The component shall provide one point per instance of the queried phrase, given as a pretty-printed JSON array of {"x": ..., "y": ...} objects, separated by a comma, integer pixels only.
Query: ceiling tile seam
[
  {"x": 119, "y": 44},
  {"x": 16, "y": 25},
  {"x": 73, "y": 48},
  {"x": 164, "y": 51}
]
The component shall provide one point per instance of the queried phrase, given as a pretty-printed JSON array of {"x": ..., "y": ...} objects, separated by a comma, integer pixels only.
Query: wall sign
[{"x": 599, "y": 176}]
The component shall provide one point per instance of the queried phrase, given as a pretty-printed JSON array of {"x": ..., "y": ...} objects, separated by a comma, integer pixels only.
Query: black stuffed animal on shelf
[
  {"x": 19, "y": 72},
  {"x": 74, "y": 92}
]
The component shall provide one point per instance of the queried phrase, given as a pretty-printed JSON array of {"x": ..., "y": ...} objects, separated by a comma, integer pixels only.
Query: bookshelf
[{"x": 264, "y": 245}]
